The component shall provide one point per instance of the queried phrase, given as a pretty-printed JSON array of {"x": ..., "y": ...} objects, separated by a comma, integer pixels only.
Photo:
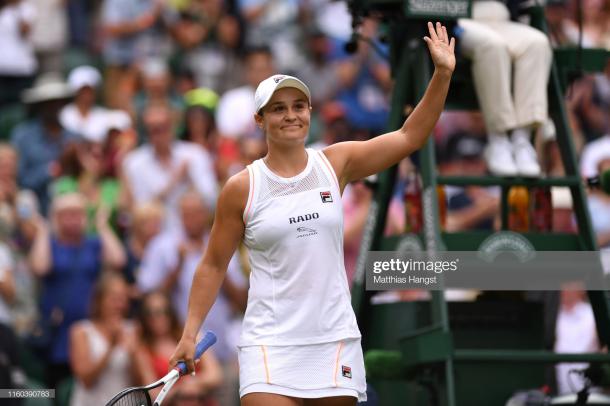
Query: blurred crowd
[{"x": 120, "y": 120}]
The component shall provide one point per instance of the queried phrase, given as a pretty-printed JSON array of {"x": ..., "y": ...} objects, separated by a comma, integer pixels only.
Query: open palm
[{"x": 440, "y": 47}]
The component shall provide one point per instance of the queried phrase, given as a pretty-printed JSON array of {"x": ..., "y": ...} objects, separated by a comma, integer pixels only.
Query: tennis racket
[{"x": 139, "y": 396}]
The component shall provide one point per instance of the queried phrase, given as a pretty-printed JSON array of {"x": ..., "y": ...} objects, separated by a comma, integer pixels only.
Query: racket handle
[{"x": 206, "y": 342}]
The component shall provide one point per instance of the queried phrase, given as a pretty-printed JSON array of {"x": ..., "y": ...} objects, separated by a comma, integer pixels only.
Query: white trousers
[{"x": 497, "y": 46}]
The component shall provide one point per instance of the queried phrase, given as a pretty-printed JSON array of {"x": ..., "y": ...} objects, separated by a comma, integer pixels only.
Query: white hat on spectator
[
  {"x": 48, "y": 86},
  {"x": 84, "y": 76},
  {"x": 95, "y": 129},
  {"x": 267, "y": 87},
  {"x": 118, "y": 120}
]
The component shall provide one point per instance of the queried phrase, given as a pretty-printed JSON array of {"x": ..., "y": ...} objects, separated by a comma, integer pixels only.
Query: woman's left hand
[
  {"x": 102, "y": 217},
  {"x": 441, "y": 48}
]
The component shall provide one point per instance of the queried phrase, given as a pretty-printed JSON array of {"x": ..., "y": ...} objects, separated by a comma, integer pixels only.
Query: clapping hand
[
  {"x": 441, "y": 48},
  {"x": 102, "y": 217}
]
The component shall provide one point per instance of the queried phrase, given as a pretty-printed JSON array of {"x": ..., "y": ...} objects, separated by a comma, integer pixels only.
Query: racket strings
[{"x": 137, "y": 397}]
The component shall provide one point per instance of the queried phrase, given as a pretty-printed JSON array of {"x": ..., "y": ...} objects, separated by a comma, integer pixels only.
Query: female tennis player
[{"x": 300, "y": 344}]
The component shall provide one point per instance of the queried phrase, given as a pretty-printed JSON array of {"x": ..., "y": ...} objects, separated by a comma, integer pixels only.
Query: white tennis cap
[{"x": 267, "y": 87}]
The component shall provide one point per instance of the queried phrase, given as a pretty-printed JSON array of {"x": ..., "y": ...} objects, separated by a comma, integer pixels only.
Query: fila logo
[
  {"x": 326, "y": 197},
  {"x": 306, "y": 217},
  {"x": 346, "y": 371}
]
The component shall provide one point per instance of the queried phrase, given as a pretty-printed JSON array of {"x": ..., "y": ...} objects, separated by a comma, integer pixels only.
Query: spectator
[
  {"x": 40, "y": 141},
  {"x": 104, "y": 351},
  {"x": 156, "y": 90},
  {"x": 80, "y": 17},
  {"x": 146, "y": 222},
  {"x": 274, "y": 24},
  {"x": 589, "y": 103},
  {"x": 82, "y": 171},
  {"x": 559, "y": 27},
  {"x": 356, "y": 199},
  {"x": 333, "y": 18},
  {"x": 131, "y": 36},
  {"x": 596, "y": 28},
  {"x": 169, "y": 265},
  {"x": 199, "y": 121},
  {"x": 7, "y": 281},
  {"x": 318, "y": 69},
  {"x": 8, "y": 187},
  {"x": 9, "y": 360},
  {"x": 83, "y": 114},
  {"x": 209, "y": 38},
  {"x": 364, "y": 82},
  {"x": 18, "y": 208},
  {"x": 171, "y": 258},
  {"x": 200, "y": 128},
  {"x": 68, "y": 263},
  {"x": 599, "y": 209},
  {"x": 236, "y": 106},
  {"x": 18, "y": 63},
  {"x": 163, "y": 169},
  {"x": 490, "y": 39},
  {"x": 50, "y": 33},
  {"x": 575, "y": 332},
  {"x": 335, "y": 127},
  {"x": 161, "y": 331},
  {"x": 593, "y": 154},
  {"x": 189, "y": 393},
  {"x": 120, "y": 138},
  {"x": 472, "y": 207}
]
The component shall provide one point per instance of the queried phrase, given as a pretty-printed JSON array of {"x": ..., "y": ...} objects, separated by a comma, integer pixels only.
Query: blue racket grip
[{"x": 206, "y": 342}]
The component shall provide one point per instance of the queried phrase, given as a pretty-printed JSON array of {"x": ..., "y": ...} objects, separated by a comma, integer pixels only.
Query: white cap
[
  {"x": 267, "y": 87},
  {"x": 95, "y": 129},
  {"x": 98, "y": 125},
  {"x": 84, "y": 76},
  {"x": 118, "y": 120}
]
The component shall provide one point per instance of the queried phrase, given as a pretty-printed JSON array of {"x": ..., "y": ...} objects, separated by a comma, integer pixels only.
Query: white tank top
[
  {"x": 299, "y": 292},
  {"x": 113, "y": 379}
]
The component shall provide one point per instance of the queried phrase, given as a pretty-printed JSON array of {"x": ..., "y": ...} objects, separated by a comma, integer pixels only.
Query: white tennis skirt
[{"x": 304, "y": 371}]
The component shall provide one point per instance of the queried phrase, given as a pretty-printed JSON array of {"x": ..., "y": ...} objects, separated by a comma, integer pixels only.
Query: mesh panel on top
[{"x": 271, "y": 188}]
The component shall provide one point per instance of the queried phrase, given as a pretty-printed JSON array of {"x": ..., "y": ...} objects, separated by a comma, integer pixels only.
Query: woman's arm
[
  {"x": 113, "y": 253},
  {"x": 141, "y": 365},
  {"x": 39, "y": 257},
  {"x": 7, "y": 286},
  {"x": 356, "y": 160},
  {"x": 84, "y": 367},
  {"x": 225, "y": 236}
]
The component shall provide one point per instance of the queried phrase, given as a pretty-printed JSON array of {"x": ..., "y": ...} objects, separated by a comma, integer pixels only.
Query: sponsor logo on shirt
[
  {"x": 326, "y": 197},
  {"x": 305, "y": 217},
  {"x": 305, "y": 232},
  {"x": 346, "y": 371}
]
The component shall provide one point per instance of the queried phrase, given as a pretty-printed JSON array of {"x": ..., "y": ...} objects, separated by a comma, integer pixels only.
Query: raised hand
[{"x": 440, "y": 47}]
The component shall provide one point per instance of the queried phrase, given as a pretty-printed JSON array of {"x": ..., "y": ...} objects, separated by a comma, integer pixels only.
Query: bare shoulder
[
  {"x": 78, "y": 329},
  {"x": 338, "y": 155},
  {"x": 339, "y": 152},
  {"x": 234, "y": 193}
]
